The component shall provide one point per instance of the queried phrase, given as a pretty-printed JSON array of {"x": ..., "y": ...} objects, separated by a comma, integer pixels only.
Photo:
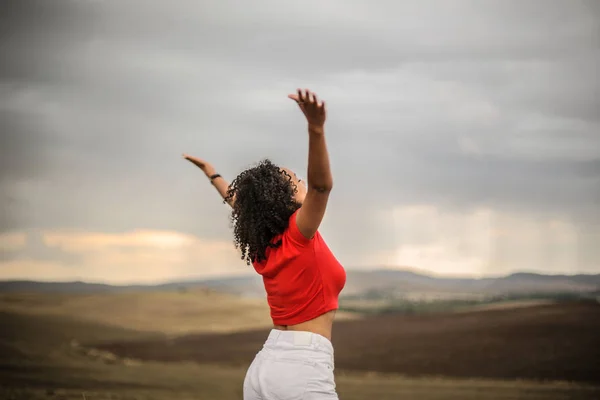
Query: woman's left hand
[{"x": 313, "y": 109}]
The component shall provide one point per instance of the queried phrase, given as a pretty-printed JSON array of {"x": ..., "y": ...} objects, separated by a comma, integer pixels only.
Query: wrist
[
  {"x": 317, "y": 129},
  {"x": 213, "y": 177}
]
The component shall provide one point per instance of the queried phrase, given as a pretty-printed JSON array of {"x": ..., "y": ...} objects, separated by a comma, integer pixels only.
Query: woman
[{"x": 276, "y": 217}]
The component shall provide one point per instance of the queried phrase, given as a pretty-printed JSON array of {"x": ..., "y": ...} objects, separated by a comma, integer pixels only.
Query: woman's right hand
[{"x": 205, "y": 166}]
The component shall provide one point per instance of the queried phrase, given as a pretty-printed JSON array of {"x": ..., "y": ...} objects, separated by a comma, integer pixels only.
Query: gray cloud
[{"x": 459, "y": 104}]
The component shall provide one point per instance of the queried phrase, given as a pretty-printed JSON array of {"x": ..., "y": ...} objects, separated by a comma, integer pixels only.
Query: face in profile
[{"x": 300, "y": 183}]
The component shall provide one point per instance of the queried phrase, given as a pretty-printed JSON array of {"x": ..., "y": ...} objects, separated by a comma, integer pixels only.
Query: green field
[{"x": 44, "y": 356}]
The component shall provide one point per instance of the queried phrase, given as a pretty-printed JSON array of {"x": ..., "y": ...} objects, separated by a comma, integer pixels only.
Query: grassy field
[
  {"x": 172, "y": 312},
  {"x": 545, "y": 342},
  {"x": 44, "y": 355},
  {"x": 167, "y": 312}
]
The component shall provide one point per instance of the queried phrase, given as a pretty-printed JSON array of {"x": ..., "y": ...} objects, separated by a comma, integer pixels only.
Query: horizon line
[{"x": 417, "y": 271}]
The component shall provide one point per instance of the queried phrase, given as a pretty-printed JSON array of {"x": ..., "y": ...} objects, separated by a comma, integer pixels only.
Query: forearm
[
  {"x": 222, "y": 185},
  {"x": 319, "y": 170}
]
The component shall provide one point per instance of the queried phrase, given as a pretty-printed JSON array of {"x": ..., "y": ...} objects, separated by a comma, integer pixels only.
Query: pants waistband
[{"x": 300, "y": 339}]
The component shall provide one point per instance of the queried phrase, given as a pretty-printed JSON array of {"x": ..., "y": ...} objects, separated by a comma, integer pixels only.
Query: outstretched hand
[
  {"x": 313, "y": 109},
  {"x": 206, "y": 167}
]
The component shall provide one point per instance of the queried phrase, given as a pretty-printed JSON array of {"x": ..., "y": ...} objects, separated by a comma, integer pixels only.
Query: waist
[
  {"x": 300, "y": 346},
  {"x": 321, "y": 325}
]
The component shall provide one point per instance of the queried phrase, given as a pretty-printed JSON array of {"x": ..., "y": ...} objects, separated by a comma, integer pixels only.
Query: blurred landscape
[
  {"x": 462, "y": 137},
  {"x": 399, "y": 334}
]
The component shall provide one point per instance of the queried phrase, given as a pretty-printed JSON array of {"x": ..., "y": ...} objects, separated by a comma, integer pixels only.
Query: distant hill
[
  {"x": 409, "y": 281},
  {"x": 393, "y": 281},
  {"x": 249, "y": 286},
  {"x": 56, "y": 287}
]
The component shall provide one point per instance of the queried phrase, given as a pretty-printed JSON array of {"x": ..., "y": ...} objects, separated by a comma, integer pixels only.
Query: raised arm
[
  {"x": 319, "y": 178},
  {"x": 215, "y": 179}
]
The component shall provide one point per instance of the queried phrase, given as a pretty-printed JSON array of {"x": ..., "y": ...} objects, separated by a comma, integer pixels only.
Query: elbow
[{"x": 324, "y": 187}]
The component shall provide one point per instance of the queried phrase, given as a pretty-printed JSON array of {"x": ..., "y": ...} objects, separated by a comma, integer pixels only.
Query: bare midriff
[{"x": 321, "y": 325}]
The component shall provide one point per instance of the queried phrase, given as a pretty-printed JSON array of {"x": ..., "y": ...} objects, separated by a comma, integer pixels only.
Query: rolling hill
[{"x": 359, "y": 282}]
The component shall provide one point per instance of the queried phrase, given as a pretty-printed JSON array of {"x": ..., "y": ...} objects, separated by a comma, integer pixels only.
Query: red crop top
[{"x": 302, "y": 277}]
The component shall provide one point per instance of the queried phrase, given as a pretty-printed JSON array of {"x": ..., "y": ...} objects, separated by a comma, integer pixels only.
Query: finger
[
  {"x": 300, "y": 96},
  {"x": 294, "y": 97},
  {"x": 309, "y": 96}
]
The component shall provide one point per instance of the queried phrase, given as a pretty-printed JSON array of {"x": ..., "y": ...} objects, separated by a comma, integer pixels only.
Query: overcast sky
[{"x": 464, "y": 135}]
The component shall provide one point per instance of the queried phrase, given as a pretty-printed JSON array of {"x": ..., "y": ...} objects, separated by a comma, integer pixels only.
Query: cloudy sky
[{"x": 464, "y": 135}]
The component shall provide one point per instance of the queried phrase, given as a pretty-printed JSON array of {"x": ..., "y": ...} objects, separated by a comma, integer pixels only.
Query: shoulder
[{"x": 293, "y": 233}]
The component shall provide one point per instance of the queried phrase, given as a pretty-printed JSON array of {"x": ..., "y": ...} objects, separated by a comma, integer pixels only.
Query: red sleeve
[{"x": 294, "y": 234}]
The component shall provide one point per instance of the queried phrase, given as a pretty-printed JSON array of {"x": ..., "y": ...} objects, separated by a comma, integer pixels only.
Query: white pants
[{"x": 293, "y": 366}]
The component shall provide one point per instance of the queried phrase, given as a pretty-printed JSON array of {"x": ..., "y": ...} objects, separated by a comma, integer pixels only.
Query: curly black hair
[{"x": 264, "y": 203}]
